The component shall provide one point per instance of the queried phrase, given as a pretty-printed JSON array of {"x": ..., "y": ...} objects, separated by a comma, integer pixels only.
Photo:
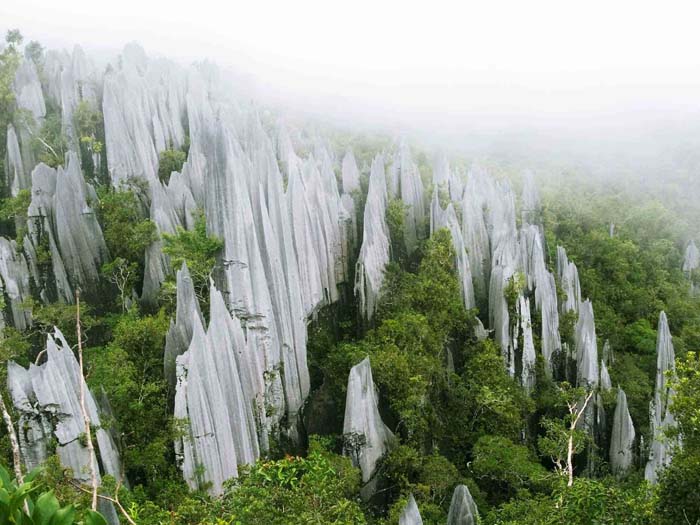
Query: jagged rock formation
[
  {"x": 14, "y": 283},
  {"x": 47, "y": 398},
  {"x": 28, "y": 121},
  {"x": 529, "y": 357},
  {"x": 172, "y": 207},
  {"x": 179, "y": 335},
  {"x": 448, "y": 219},
  {"x": 63, "y": 226},
  {"x": 219, "y": 395},
  {"x": 411, "y": 193},
  {"x": 569, "y": 282},
  {"x": 410, "y": 514},
  {"x": 605, "y": 382},
  {"x": 691, "y": 261},
  {"x": 366, "y": 436},
  {"x": 475, "y": 234},
  {"x": 144, "y": 108},
  {"x": 544, "y": 284},
  {"x": 587, "y": 373},
  {"x": 622, "y": 439},
  {"x": 374, "y": 252},
  {"x": 16, "y": 175},
  {"x": 662, "y": 420},
  {"x": 463, "y": 510},
  {"x": 72, "y": 79}
]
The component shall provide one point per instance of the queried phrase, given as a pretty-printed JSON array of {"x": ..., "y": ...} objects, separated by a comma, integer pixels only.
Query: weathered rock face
[
  {"x": 374, "y": 252},
  {"x": 691, "y": 262},
  {"x": 475, "y": 234},
  {"x": 70, "y": 80},
  {"x": 463, "y": 510},
  {"x": 179, "y": 335},
  {"x": 27, "y": 122},
  {"x": 410, "y": 514},
  {"x": 17, "y": 177},
  {"x": 366, "y": 436},
  {"x": 605, "y": 382},
  {"x": 529, "y": 357},
  {"x": 219, "y": 390},
  {"x": 661, "y": 450},
  {"x": 588, "y": 373},
  {"x": 542, "y": 281},
  {"x": 144, "y": 108},
  {"x": 569, "y": 282},
  {"x": 411, "y": 192},
  {"x": 62, "y": 223},
  {"x": 47, "y": 398},
  {"x": 448, "y": 219},
  {"x": 172, "y": 206},
  {"x": 27, "y": 89},
  {"x": 14, "y": 283},
  {"x": 622, "y": 439}
]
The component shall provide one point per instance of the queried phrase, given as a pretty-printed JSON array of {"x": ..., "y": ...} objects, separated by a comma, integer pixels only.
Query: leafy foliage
[
  {"x": 199, "y": 250},
  {"x": 170, "y": 160},
  {"x": 28, "y": 504},
  {"x": 127, "y": 235}
]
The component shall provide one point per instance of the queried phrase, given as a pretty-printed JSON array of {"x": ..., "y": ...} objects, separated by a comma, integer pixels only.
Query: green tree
[
  {"x": 90, "y": 130},
  {"x": 127, "y": 235},
  {"x": 199, "y": 250},
  {"x": 170, "y": 160},
  {"x": 28, "y": 503}
]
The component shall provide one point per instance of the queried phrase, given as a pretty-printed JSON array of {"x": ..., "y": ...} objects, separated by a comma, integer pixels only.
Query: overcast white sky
[{"x": 488, "y": 60}]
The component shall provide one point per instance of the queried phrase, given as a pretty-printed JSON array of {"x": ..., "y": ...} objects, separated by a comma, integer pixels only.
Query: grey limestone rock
[
  {"x": 662, "y": 419},
  {"x": 569, "y": 282},
  {"x": 463, "y": 510},
  {"x": 219, "y": 391},
  {"x": 62, "y": 221},
  {"x": 622, "y": 439},
  {"x": 48, "y": 400},
  {"x": 374, "y": 252},
  {"x": 14, "y": 282},
  {"x": 179, "y": 335},
  {"x": 366, "y": 436},
  {"x": 588, "y": 373},
  {"x": 410, "y": 514},
  {"x": 691, "y": 260}
]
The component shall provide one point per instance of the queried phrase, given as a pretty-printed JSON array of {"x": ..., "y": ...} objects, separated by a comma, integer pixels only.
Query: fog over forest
[
  {"x": 358, "y": 263},
  {"x": 614, "y": 87}
]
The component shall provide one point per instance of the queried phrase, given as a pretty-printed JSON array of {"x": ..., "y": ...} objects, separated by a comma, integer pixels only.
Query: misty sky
[{"x": 440, "y": 66}]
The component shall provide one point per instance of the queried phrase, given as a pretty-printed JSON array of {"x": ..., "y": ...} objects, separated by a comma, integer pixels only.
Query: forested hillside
[{"x": 215, "y": 315}]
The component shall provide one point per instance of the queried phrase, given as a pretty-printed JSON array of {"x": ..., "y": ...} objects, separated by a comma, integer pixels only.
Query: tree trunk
[
  {"x": 570, "y": 460},
  {"x": 16, "y": 457},
  {"x": 83, "y": 408}
]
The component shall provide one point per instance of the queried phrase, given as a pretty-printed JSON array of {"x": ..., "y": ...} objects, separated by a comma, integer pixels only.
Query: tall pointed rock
[
  {"x": 410, "y": 514},
  {"x": 622, "y": 439},
  {"x": 366, "y": 436},
  {"x": 662, "y": 420},
  {"x": 463, "y": 510}
]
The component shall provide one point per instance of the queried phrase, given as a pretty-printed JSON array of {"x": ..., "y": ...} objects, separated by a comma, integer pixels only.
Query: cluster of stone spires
[
  {"x": 289, "y": 233},
  {"x": 462, "y": 511}
]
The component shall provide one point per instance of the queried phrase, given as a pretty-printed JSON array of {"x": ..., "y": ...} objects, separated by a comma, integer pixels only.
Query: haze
[{"x": 613, "y": 74}]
